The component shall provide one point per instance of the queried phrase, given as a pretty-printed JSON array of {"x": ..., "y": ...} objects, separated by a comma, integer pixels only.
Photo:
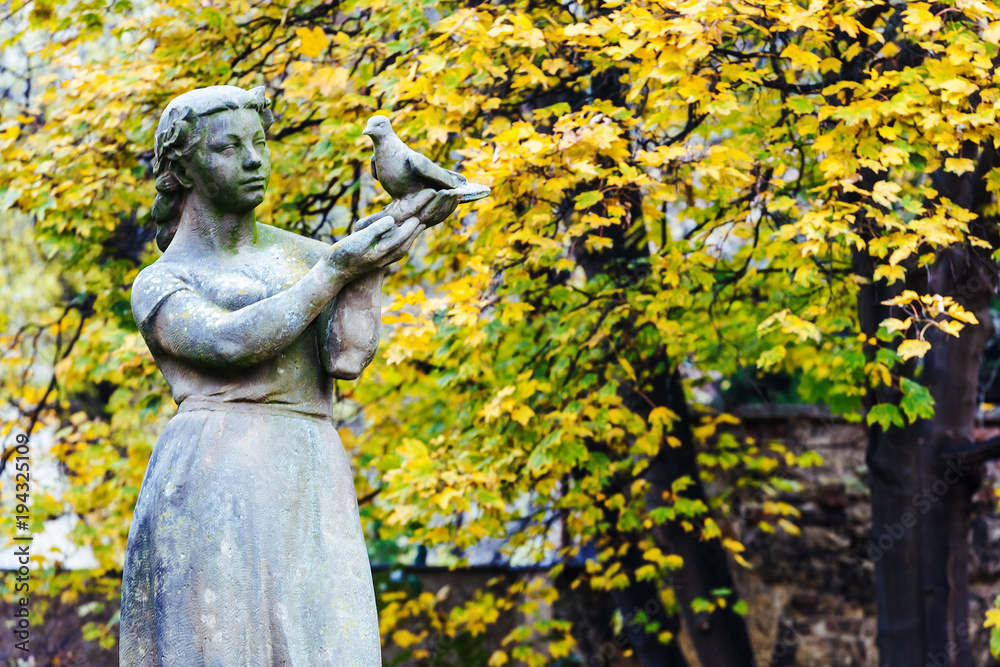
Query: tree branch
[{"x": 972, "y": 452}]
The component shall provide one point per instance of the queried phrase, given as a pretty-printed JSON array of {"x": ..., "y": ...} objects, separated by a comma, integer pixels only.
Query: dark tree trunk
[
  {"x": 894, "y": 465},
  {"x": 719, "y": 638},
  {"x": 921, "y": 501},
  {"x": 951, "y": 374},
  {"x": 643, "y": 598}
]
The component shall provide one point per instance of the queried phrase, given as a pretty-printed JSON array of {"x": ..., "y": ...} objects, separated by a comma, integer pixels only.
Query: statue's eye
[{"x": 228, "y": 150}]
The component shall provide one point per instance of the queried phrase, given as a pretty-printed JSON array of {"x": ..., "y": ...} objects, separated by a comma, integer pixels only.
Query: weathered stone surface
[
  {"x": 246, "y": 547},
  {"x": 403, "y": 172}
]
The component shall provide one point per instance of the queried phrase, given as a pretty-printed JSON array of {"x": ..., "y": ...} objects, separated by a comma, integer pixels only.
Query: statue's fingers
[
  {"x": 390, "y": 243},
  {"x": 407, "y": 233},
  {"x": 417, "y": 228},
  {"x": 395, "y": 247},
  {"x": 381, "y": 227},
  {"x": 409, "y": 225},
  {"x": 422, "y": 198},
  {"x": 366, "y": 221},
  {"x": 442, "y": 207},
  {"x": 392, "y": 208}
]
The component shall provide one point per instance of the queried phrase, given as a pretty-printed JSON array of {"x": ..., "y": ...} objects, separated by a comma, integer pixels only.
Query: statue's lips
[{"x": 254, "y": 182}]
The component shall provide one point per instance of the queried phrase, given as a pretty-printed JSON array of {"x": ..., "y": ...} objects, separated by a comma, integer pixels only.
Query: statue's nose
[{"x": 252, "y": 159}]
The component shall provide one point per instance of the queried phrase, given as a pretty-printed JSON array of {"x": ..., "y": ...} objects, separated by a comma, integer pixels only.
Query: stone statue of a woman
[{"x": 246, "y": 548}]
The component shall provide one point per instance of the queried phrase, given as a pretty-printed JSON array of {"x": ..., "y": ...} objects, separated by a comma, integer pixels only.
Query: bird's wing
[
  {"x": 434, "y": 176},
  {"x": 374, "y": 170}
]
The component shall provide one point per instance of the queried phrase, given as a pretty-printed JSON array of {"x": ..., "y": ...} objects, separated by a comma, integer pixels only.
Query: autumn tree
[{"x": 681, "y": 191}]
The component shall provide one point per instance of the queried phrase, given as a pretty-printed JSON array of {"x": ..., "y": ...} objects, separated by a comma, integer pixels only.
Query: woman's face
[{"x": 231, "y": 166}]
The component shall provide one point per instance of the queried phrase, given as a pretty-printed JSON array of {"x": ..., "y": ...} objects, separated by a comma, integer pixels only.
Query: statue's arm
[
  {"x": 349, "y": 328},
  {"x": 174, "y": 317},
  {"x": 349, "y": 325},
  {"x": 187, "y": 326}
]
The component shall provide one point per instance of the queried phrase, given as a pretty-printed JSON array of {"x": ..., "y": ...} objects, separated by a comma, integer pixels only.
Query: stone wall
[{"x": 812, "y": 597}]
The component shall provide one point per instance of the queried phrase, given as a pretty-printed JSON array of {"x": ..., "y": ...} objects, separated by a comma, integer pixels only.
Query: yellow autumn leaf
[
  {"x": 578, "y": 29},
  {"x": 733, "y": 546},
  {"x": 404, "y": 638},
  {"x": 789, "y": 527},
  {"x": 890, "y": 155},
  {"x": 627, "y": 367},
  {"x": 991, "y": 33},
  {"x": 673, "y": 561},
  {"x": 312, "y": 41},
  {"x": 800, "y": 57},
  {"x": 913, "y": 348},
  {"x": 884, "y": 193},
  {"x": 892, "y": 324},
  {"x": 522, "y": 414},
  {"x": 710, "y": 530},
  {"x": 950, "y": 327},
  {"x": 905, "y": 298},
  {"x": 889, "y": 272},
  {"x": 771, "y": 357},
  {"x": 660, "y": 415},
  {"x": 959, "y": 165},
  {"x": 412, "y": 449},
  {"x": 958, "y": 312}
]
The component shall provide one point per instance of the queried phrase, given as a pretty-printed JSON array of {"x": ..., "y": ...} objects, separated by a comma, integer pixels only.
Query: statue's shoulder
[
  {"x": 291, "y": 243},
  {"x": 153, "y": 285},
  {"x": 163, "y": 269}
]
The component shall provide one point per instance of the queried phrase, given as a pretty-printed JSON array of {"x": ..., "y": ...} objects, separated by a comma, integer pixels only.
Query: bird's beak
[{"x": 367, "y": 131}]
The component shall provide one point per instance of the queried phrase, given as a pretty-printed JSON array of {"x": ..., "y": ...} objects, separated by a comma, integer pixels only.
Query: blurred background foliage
[{"x": 690, "y": 200}]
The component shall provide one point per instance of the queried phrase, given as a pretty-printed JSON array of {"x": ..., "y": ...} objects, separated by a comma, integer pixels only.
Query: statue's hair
[{"x": 180, "y": 128}]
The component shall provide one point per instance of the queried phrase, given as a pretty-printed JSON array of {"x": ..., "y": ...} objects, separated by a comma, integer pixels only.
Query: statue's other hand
[
  {"x": 441, "y": 205},
  {"x": 429, "y": 206}
]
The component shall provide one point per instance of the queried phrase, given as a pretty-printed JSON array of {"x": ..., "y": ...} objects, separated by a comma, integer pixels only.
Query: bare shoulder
[
  {"x": 153, "y": 285},
  {"x": 165, "y": 269}
]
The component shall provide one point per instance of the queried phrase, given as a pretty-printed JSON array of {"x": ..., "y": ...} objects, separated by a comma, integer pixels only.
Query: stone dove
[{"x": 402, "y": 171}]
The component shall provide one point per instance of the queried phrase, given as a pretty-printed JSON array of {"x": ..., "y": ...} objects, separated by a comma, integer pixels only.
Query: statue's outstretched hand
[
  {"x": 366, "y": 250},
  {"x": 379, "y": 241},
  {"x": 428, "y": 206}
]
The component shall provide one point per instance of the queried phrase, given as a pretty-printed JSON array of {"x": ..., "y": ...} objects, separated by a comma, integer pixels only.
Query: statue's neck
[{"x": 204, "y": 226}]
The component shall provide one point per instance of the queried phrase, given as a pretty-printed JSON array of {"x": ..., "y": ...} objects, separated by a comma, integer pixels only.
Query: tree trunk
[
  {"x": 951, "y": 371},
  {"x": 894, "y": 465},
  {"x": 720, "y": 638},
  {"x": 921, "y": 502}
]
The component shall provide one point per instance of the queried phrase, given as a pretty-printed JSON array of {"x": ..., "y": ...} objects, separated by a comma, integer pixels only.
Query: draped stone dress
[{"x": 246, "y": 548}]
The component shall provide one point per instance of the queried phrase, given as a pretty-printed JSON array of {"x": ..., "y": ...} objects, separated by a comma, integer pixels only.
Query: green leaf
[
  {"x": 917, "y": 402},
  {"x": 540, "y": 460},
  {"x": 587, "y": 199},
  {"x": 886, "y": 415},
  {"x": 699, "y": 605}
]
